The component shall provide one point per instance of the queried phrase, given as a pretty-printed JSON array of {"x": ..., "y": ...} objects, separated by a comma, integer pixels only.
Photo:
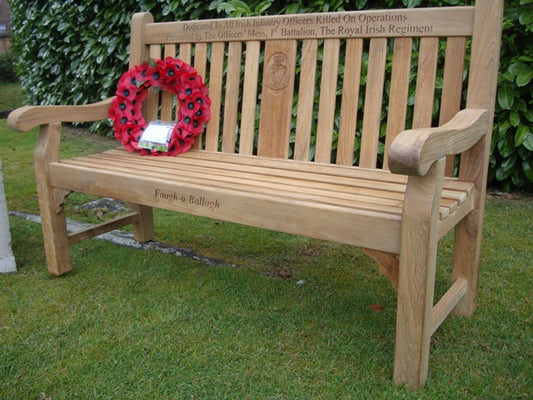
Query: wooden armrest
[
  {"x": 414, "y": 151},
  {"x": 26, "y": 118}
]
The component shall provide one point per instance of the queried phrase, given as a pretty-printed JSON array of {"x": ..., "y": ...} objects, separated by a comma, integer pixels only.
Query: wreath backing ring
[{"x": 171, "y": 75}]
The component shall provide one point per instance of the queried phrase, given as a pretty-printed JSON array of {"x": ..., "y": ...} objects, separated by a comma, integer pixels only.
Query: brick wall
[{"x": 5, "y": 25}]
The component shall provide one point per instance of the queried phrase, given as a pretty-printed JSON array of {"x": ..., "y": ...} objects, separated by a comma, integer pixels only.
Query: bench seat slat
[
  {"x": 269, "y": 174},
  {"x": 323, "y": 169},
  {"x": 254, "y": 184},
  {"x": 390, "y": 189},
  {"x": 367, "y": 178},
  {"x": 358, "y": 196},
  {"x": 357, "y": 193},
  {"x": 246, "y": 180},
  {"x": 311, "y": 219}
]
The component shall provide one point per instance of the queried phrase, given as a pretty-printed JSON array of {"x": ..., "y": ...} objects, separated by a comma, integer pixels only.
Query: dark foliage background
[{"x": 73, "y": 52}]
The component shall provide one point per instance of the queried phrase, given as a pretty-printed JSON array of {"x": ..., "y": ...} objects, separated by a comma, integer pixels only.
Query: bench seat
[{"x": 334, "y": 202}]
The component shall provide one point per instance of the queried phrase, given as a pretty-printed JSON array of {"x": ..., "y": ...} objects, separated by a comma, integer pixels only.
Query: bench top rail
[{"x": 445, "y": 21}]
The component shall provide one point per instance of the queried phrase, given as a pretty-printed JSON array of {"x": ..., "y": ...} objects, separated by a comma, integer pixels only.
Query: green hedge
[
  {"x": 7, "y": 68},
  {"x": 74, "y": 53}
]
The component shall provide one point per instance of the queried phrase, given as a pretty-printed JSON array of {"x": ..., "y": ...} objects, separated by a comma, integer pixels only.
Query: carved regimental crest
[{"x": 276, "y": 71}]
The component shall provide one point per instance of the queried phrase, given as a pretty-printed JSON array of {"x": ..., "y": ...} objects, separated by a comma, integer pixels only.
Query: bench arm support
[
  {"x": 26, "y": 118},
  {"x": 414, "y": 151}
]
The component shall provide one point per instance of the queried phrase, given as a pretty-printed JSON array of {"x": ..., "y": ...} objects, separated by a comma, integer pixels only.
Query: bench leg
[
  {"x": 55, "y": 238},
  {"x": 418, "y": 255},
  {"x": 143, "y": 229},
  {"x": 466, "y": 260},
  {"x": 54, "y": 224},
  {"x": 468, "y": 232}
]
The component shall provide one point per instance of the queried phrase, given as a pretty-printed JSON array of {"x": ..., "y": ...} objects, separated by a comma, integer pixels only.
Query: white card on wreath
[{"x": 157, "y": 135}]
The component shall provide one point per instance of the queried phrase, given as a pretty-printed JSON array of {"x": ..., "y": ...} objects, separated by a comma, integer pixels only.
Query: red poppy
[{"x": 148, "y": 75}]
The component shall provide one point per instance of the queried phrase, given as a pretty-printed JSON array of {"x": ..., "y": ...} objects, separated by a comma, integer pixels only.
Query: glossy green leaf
[
  {"x": 521, "y": 135},
  {"x": 528, "y": 142},
  {"x": 262, "y": 7},
  {"x": 514, "y": 118},
  {"x": 524, "y": 77},
  {"x": 527, "y": 167},
  {"x": 505, "y": 97},
  {"x": 506, "y": 146}
]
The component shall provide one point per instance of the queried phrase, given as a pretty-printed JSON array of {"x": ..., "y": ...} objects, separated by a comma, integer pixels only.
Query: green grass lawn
[
  {"x": 133, "y": 324},
  {"x": 11, "y": 96}
]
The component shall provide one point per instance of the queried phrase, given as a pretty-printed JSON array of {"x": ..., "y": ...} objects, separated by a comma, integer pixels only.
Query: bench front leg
[
  {"x": 418, "y": 254},
  {"x": 54, "y": 224}
]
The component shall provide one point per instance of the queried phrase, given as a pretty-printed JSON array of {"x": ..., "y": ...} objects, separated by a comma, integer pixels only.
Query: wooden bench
[{"x": 383, "y": 187}]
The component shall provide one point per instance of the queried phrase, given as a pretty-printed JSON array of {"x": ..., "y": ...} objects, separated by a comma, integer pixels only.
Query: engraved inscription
[
  {"x": 276, "y": 73},
  {"x": 174, "y": 197},
  {"x": 301, "y": 26}
]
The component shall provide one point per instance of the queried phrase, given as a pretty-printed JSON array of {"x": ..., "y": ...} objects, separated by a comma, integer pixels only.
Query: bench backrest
[{"x": 276, "y": 90}]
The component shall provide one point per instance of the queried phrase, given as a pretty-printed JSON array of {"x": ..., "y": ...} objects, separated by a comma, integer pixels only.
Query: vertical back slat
[
  {"x": 151, "y": 103},
  {"x": 249, "y": 97},
  {"x": 276, "y": 98},
  {"x": 306, "y": 99},
  {"x": 167, "y": 97},
  {"x": 399, "y": 92},
  {"x": 200, "y": 64},
  {"x": 350, "y": 100},
  {"x": 452, "y": 86},
  {"x": 185, "y": 52},
  {"x": 231, "y": 99},
  {"x": 373, "y": 103},
  {"x": 328, "y": 96},
  {"x": 200, "y": 59},
  {"x": 215, "y": 94},
  {"x": 425, "y": 82}
]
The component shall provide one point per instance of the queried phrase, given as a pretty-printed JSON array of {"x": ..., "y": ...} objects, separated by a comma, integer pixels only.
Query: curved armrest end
[
  {"x": 26, "y": 118},
  {"x": 414, "y": 151},
  {"x": 15, "y": 118}
]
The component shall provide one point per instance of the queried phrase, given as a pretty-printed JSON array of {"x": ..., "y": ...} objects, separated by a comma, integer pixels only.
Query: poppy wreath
[{"x": 171, "y": 75}]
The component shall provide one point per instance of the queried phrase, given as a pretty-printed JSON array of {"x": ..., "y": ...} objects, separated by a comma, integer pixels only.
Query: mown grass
[
  {"x": 11, "y": 96},
  {"x": 132, "y": 324}
]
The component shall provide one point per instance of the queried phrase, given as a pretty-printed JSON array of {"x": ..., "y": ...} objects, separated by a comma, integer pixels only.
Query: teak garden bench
[{"x": 326, "y": 159}]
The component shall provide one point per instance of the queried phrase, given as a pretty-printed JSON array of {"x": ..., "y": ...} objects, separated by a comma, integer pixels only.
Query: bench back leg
[
  {"x": 418, "y": 255},
  {"x": 482, "y": 85},
  {"x": 143, "y": 229},
  {"x": 54, "y": 224}
]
